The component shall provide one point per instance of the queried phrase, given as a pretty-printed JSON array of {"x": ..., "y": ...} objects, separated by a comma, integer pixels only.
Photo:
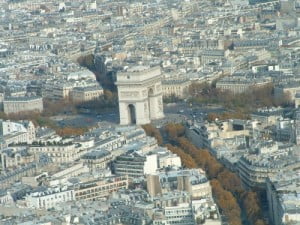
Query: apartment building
[
  {"x": 97, "y": 159},
  {"x": 84, "y": 94},
  {"x": 60, "y": 152},
  {"x": 49, "y": 197},
  {"x": 15, "y": 156},
  {"x": 22, "y": 104},
  {"x": 100, "y": 188},
  {"x": 178, "y": 88},
  {"x": 135, "y": 165}
]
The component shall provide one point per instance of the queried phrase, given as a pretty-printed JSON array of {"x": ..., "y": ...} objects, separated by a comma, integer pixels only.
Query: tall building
[
  {"x": 135, "y": 165},
  {"x": 192, "y": 181},
  {"x": 153, "y": 185}
]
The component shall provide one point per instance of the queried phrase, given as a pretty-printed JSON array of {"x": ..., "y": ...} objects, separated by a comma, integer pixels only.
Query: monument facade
[{"x": 140, "y": 95}]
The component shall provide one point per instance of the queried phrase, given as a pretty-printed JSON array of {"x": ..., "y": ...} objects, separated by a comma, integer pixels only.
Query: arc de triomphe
[{"x": 140, "y": 95}]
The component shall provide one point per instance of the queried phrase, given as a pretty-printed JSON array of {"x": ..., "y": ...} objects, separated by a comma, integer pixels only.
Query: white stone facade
[
  {"x": 84, "y": 94},
  {"x": 178, "y": 88},
  {"x": 49, "y": 198},
  {"x": 23, "y": 104},
  {"x": 140, "y": 95},
  {"x": 59, "y": 153},
  {"x": 17, "y": 132}
]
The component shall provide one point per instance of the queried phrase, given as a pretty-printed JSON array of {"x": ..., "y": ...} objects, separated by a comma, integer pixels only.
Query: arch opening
[
  {"x": 132, "y": 114},
  {"x": 150, "y": 92}
]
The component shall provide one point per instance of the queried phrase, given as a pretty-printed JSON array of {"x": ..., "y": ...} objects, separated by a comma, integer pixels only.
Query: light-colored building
[
  {"x": 111, "y": 142},
  {"x": 84, "y": 94},
  {"x": 267, "y": 117},
  {"x": 206, "y": 211},
  {"x": 14, "y": 157},
  {"x": 11, "y": 177},
  {"x": 192, "y": 181},
  {"x": 254, "y": 169},
  {"x": 14, "y": 132},
  {"x": 169, "y": 160},
  {"x": 283, "y": 194},
  {"x": 206, "y": 135},
  {"x": 6, "y": 199},
  {"x": 22, "y": 104},
  {"x": 9, "y": 127},
  {"x": 135, "y": 165},
  {"x": 57, "y": 91},
  {"x": 65, "y": 173},
  {"x": 59, "y": 153},
  {"x": 212, "y": 55},
  {"x": 289, "y": 90},
  {"x": 140, "y": 95},
  {"x": 241, "y": 84},
  {"x": 181, "y": 214},
  {"x": 178, "y": 88},
  {"x": 97, "y": 159},
  {"x": 101, "y": 188},
  {"x": 49, "y": 197},
  {"x": 297, "y": 100}
]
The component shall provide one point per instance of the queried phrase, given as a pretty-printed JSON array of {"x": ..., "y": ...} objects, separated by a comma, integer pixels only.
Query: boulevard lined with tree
[{"x": 233, "y": 200}]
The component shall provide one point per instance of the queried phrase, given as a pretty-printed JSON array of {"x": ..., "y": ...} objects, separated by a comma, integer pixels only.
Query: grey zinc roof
[{"x": 96, "y": 154}]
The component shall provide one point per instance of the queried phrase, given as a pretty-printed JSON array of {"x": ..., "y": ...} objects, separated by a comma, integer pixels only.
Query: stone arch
[
  {"x": 150, "y": 92},
  {"x": 139, "y": 87},
  {"x": 132, "y": 114}
]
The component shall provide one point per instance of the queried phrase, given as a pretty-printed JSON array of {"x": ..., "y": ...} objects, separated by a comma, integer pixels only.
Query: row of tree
[
  {"x": 244, "y": 102},
  {"x": 52, "y": 108},
  {"x": 153, "y": 132},
  {"x": 107, "y": 101},
  {"x": 70, "y": 131},
  {"x": 39, "y": 119},
  {"x": 186, "y": 159},
  {"x": 226, "y": 186}
]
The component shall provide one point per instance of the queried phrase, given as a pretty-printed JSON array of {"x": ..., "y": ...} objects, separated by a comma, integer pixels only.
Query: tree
[
  {"x": 247, "y": 101},
  {"x": 230, "y": 181},
  {"x": 172, "y": 98},
  {"x": 87, "y": 61},
  {"x": 226, "y": 185},
  {"x": 153, "y": 132},
  {"x": 186, "y": 159},
  {"x": 70, "y": 131},
  {"x": 226, "y": 202},
  {"x": 251, "y": 205},
  {"x": 54, "y": 107},
  {"x": 174, "y": 130},
  {"x": 107, "y": 101},
  {"x": 98, "y": 67}
]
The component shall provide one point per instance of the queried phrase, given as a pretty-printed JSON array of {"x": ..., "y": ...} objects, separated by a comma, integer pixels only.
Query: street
[{"x": 174, "y": 113}]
